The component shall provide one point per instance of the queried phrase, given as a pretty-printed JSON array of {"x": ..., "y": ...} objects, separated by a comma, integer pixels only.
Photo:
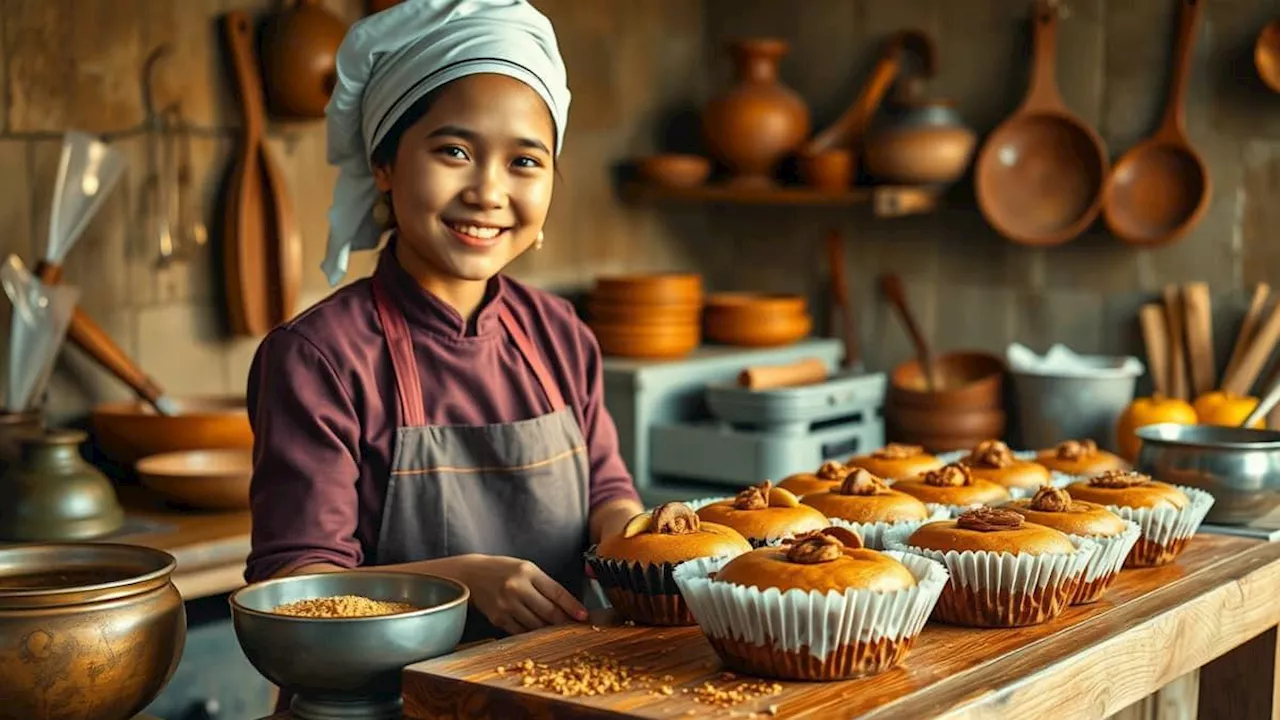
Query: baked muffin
[
  {"x": 818, "y": 607},
  {"x": 827, "y": 477},
  {"x": 954, "y": 486},
  {"x": 1080, "y": 457},
  {"x": 1054, "y": 507},
  {"x": 993, "y": 460},
  {"x": 896, "y": 461},
  {"x": 764, "y": 514},
  {"x": 865, "y": 504},
  {"x": 634, "y": 566},
  {"x": 1167, "y": 514},
  {"x": 1005, "y": 571}
]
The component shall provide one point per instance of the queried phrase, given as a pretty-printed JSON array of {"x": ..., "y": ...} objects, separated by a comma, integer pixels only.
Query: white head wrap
[{"x": 390, "y": 60}]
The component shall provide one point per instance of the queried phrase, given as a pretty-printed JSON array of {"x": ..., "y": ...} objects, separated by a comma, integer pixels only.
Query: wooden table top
[{"x": 1152, "y": 626}]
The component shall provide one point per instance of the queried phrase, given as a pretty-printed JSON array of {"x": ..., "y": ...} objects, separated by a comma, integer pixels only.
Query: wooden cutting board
[{"x": 948, "y": 667}]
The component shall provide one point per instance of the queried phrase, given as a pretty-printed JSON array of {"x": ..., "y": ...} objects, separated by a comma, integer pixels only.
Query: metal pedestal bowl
[
  {"x": 1240, "y": 467},
  {"x": 86, "y": 630},
  {"x": 347, "y": 667}
]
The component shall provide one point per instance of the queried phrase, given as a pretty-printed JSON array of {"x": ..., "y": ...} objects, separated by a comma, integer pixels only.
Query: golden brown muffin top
[
  {"x": 863, "y": 497},
  {"x": 671, "y": 533},
  {"x": 896, "y": 461},
  {"x": 1054, "y": 507},
  {"x": 1080, "y": 457},
  {"x": 764, "y": 512},
  {"x": 993, "y": 460},
  {"x": 825, "y": 478},
  {"x": 1126, "y": 488},
  {"x": 991, "y": 530},
  {"x": 953, "y": 484},
  {"x": 823, "y": 560}
]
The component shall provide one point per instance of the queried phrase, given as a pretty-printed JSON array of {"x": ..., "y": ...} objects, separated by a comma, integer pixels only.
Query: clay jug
[
  {"x": 299, "y": 59},
  {"x": 52, "y": 493},
  {"x": 757, "y": 122}
]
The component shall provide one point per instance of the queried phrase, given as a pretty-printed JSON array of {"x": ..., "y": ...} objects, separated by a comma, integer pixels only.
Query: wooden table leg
[{"x": 1241, "y": 685}]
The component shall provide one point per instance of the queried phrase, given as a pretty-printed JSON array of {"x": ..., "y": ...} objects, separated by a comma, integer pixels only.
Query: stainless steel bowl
[
  {"x": 347, "y": 661},
  {"x": 87, "y": 630},
  {"x": 1240, "y": 467}
]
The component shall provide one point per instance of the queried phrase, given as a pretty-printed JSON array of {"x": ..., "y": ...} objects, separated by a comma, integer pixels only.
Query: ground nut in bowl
[
  {"x": 1005, "y": 572},
  {"x": 820, "y": 607}
]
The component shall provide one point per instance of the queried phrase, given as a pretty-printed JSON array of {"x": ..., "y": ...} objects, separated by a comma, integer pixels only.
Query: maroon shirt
[{"x": 322, "y": 401}]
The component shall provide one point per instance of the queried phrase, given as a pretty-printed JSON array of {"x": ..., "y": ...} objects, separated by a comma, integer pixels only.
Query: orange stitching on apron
[{"x": 528, "y": 466}]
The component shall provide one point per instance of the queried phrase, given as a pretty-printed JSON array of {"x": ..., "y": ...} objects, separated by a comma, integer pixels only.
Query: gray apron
[{"x": 516, "y": 489}]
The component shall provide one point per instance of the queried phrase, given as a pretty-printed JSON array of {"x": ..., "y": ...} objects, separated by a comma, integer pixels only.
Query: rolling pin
[{"x": 768, "y": 377}]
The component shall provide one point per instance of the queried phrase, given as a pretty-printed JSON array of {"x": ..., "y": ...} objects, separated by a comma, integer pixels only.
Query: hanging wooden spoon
[
  {"x": 891, "y": 287},
  {"x": 1160, "y": 188}
]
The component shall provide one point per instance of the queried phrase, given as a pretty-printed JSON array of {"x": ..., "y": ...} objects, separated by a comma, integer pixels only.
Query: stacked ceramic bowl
[
  {"x": 646, "y": 316},
  {"x": 757, "y": 319}
]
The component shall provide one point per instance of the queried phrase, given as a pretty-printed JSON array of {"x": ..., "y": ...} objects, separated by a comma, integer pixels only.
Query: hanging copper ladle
[{"x": 1160, "y": 188}]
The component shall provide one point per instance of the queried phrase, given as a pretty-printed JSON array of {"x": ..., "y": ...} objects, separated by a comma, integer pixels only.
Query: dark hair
[{"x": 384, "y": 154}]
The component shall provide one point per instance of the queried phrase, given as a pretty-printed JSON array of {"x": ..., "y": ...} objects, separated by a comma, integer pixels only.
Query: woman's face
[{"x": 471, "y": 181}]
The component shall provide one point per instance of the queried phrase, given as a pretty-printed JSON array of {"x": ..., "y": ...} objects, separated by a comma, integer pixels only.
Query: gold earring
[
  {"x": 537, "y": 244},
  {"x": 382, "y": 213}
]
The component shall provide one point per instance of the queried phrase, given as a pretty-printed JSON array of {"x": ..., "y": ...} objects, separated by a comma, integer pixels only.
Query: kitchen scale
[{"x": 754, "y": 435}]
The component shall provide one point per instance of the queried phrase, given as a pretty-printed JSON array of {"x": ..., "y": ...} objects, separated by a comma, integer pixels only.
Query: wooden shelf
[{"x": 885, "y": 200}]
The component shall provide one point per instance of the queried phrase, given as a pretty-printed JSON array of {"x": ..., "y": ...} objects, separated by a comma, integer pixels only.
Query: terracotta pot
[
  {"x": 51, "y": 493},
  {"x": 92, "y": 630},
  {"x": 641, "y": 314},
  {"x": 299, "y": 55},
  {"x": 830, "y": 170},
  {"x": 755, "y": 304},
  {"x": 763, "y": 331},
  {"x": 919, "y": 142},
  {"x": 757, "y": 122},
  {"x": 646, "y": 341},
  {"x": 932, "y": 443},
  {"x": 984, "y": 423}
]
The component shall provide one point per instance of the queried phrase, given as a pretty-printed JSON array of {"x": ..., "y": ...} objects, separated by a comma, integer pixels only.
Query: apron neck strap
[
  {"x": 409, "y": 387},
  {"x": 525, "y": 345},
  {"x": 413, "y": 412}
]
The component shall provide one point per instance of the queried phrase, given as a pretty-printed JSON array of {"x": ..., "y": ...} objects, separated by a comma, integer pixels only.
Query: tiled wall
[{"x": 639, "y": 69}]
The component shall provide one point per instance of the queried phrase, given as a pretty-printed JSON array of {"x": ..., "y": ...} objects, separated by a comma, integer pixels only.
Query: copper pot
[
  {"x": 299, "y": 59},
  {"x": 90, "y": 630},
  {"x": 758, "y": 121}
]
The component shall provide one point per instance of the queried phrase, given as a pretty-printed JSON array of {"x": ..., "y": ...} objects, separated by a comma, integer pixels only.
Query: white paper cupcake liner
[
  {"x": 1106, "y": 562},
  {"x": 641, "y": 592},
  {"x": 872, "y": 534},
  {"x": 1000, "y": 589},
  {"x": 810, "y": 635},
  {"x": 1165, "y": 531}
]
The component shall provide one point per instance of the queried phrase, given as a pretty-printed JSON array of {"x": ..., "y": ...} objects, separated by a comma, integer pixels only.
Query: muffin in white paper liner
[
  {"x": 1165, "y": 531},
  {"x": 872, "y": 534},
  {"x": 1106, "y": 562},
  {"x": 810, "y": 635},
  {"x": 1056, "y": 479},
  {"x": 954, "y": 455},
  {"x": 641, "y": 592},
  {"x": 1001, "y": 589}
]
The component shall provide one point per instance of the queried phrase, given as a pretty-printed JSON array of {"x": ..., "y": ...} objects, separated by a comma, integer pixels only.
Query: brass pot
[
  {"x": 91, "y": 630},
  {"x": 13, "y": 426},
  {"x": 52, "y": 493}
]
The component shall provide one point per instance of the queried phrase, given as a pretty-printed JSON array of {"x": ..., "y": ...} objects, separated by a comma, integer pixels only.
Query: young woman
[{"x": 440, "y": 417}]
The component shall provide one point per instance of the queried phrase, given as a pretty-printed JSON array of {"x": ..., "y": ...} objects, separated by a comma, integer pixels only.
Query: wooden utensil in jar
[
  {"x": 1040, "y": 173},
  {"x": 1155, "y": 336},
  {"x": 891, "y": 287},
  {"x": 1255, "y": 358},
  {"x": 1248, "y": 329},
  {"x": 1177, "y": 353},
  {"x": 1198, "y": 315},
  {"x": 262, "y": 253},
  {"x": 1160, "y": 188}
]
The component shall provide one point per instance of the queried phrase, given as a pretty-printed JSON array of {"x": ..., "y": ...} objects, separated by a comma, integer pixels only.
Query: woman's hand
[{"x": 516, "y": 595}]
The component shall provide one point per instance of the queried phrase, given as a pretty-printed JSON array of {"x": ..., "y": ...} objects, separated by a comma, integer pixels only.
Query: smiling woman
[{"x": 440, "y": 417}]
